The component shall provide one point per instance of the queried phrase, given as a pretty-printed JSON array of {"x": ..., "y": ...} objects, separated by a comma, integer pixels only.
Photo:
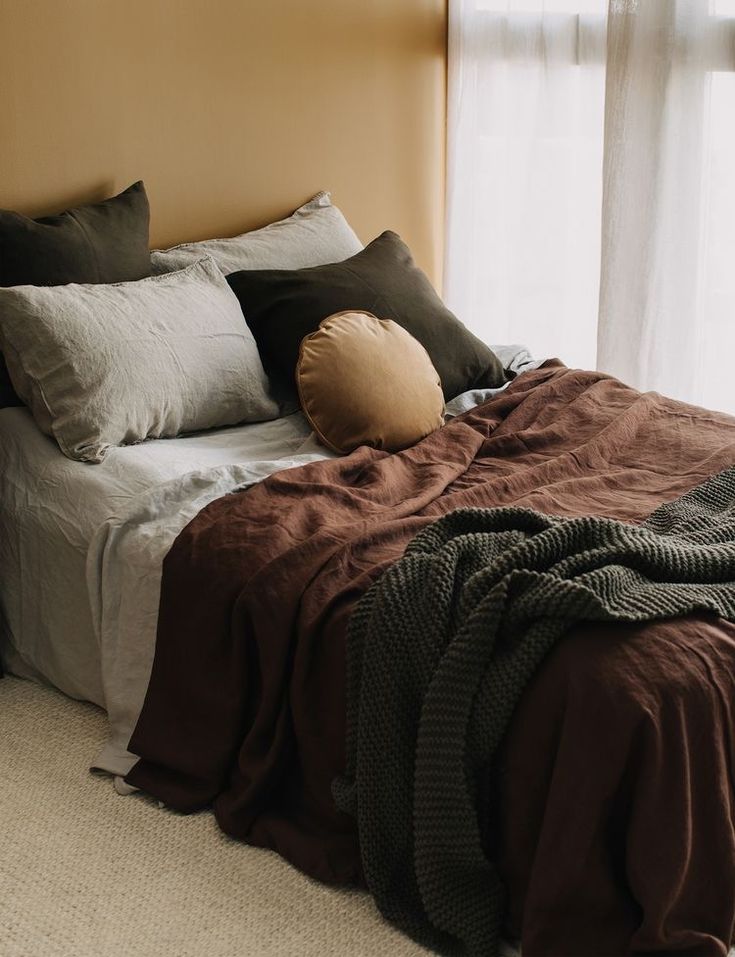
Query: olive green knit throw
[{"x": 440, "y": 650}]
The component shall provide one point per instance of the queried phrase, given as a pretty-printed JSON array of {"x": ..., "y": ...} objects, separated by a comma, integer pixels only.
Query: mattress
[{"x": 50, "y": 509}]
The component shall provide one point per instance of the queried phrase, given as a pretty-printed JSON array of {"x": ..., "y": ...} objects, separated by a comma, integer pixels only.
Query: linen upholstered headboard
[{"x": 233, "y": 113}]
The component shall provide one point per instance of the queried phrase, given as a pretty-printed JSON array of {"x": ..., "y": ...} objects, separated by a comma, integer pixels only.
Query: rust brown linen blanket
[{"x": 615, "y": 779}]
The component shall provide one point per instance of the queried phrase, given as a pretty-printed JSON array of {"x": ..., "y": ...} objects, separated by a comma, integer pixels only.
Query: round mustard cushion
[{"x": 366, "y": 381}]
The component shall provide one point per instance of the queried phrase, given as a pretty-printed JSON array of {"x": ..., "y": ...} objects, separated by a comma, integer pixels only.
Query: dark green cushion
[
  {"x": 105, "y": 242},
  {"x": 282, "y": 306}
]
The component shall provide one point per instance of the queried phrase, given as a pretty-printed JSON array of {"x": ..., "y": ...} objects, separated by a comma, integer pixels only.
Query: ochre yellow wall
[{"x": 233, "y": 111}]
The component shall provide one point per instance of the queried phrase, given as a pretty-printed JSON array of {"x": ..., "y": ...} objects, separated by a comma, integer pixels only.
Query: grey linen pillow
[
  {"x": 105, "y": 365},
  {"x": 315, "y": 234}
]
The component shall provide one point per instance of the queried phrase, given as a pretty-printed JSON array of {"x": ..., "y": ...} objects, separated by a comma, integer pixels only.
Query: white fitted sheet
[{"x": 50, "y": 509}]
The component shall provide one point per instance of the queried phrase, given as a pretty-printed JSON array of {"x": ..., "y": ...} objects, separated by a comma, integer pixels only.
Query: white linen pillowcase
[
  {"x": 105, "y": 365},
  {"x": 316, "y": 234}
]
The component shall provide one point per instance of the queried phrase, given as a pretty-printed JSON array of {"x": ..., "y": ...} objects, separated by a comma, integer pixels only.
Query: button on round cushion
[{"x": 366, "y": 381}]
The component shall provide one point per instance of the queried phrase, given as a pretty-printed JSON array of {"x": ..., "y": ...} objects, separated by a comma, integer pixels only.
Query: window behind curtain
[{"x": 525, "y": 184}]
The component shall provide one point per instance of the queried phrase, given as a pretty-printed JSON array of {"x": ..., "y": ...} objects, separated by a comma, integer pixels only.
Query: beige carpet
[{"x": 87, "y": 873}]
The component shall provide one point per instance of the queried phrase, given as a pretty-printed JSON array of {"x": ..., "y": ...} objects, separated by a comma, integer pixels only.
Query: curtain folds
[{"x": 591, "y": 185}]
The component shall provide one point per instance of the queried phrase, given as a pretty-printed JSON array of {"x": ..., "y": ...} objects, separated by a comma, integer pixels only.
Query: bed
[
  {"x": 202, "y": 587},
  {"x": 585, "y": 686}
]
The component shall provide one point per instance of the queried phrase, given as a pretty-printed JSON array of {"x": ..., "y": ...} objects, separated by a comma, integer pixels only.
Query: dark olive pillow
[
  {"x": 105, "y": 242},
  {"x": 282, "y": 306}
]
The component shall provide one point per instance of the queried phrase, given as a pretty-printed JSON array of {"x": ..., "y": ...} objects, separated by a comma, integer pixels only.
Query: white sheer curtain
[{"x": 591, "y": 185}]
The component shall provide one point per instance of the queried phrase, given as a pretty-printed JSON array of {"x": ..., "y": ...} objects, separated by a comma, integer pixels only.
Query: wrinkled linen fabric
[
  {"x": 51, "y": 509},
  {"x": 124, "y": 572}
]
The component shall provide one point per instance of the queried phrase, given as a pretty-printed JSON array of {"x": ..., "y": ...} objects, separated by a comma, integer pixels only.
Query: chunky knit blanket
[{"x": 440, "y": 651}]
